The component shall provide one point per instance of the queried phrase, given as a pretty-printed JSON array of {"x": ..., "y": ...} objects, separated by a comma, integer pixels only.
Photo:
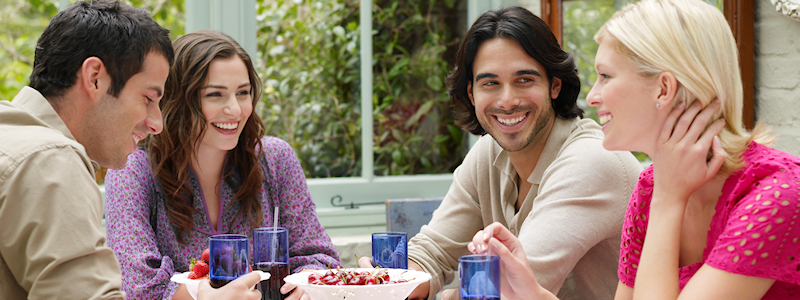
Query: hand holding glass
[
  {"x": 229, "y": 258},
  {"x": 271, "y": 255},
  {"x": 479, "y": 277},
  {"x": 389, "y": 250}
]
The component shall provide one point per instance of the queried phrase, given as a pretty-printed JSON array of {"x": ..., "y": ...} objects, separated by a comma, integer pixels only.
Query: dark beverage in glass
[
  {"x": 220, "y": 281},
  {"x": 479, "y": 297},
  {"x": 271, "y": 255},
  {"x": 271, "y": 289}
]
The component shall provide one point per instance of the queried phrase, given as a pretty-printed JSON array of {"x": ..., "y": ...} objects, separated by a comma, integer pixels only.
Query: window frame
[{"x": 741, "y": 18}]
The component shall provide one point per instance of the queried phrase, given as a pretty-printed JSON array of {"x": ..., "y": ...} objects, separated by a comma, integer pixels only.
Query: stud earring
[{"x": 658, "y": 105}]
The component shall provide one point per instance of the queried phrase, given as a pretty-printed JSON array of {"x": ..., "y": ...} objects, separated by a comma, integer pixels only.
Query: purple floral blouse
[{"x": 149, "y": 255}]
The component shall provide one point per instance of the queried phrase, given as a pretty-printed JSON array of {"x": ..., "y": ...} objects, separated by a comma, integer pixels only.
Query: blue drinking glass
[
  {"x": 271, "y": 255},
  {"x": 390, "y": 250},
  {"x": 479, "y": 277},
  {"x": 229, "y": 258}
]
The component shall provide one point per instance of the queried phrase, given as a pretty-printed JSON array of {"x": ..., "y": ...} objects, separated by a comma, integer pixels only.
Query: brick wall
[{"x": 777, "y": 78}]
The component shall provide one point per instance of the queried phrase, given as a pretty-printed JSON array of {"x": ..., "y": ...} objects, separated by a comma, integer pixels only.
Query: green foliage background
[
  {"x": 310, "y": 57},
  {"x": 309, "y": 60},
  {"x": 22, "y": 21}
]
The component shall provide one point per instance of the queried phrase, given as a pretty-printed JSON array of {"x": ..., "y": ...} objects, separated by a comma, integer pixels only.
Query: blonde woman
[{"x": 714, "y": 216}]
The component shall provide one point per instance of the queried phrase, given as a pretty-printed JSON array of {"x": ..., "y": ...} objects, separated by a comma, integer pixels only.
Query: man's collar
[
  {"x": 30, "y": 100},
  {"x": 558, "y": 135}
]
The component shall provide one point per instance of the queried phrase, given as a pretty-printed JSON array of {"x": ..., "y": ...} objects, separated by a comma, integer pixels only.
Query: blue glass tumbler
[
  {"x": 390, "y": 250},
  {"x": 479, "y": 277},
  {"x": 229, "y": 258},
  {"x": 271, "y": 255}
]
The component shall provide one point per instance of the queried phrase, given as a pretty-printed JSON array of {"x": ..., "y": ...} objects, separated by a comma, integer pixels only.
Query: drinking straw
[{"x": 275, "y": 233}]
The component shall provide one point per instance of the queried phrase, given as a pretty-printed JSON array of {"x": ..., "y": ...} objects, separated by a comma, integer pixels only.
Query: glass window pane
[
  {"x": 309, "y": 62},
  {"x": 414, "y": 48},
  {"x": 168, "y": 13},
  {"x": 582, "y": 19},
  {"x": 22, "y": 22}
]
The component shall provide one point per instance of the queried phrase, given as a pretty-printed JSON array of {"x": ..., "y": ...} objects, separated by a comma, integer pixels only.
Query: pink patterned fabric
[
  {"x": 149, "y": 256},
  {"x": 753, "y": 231}
]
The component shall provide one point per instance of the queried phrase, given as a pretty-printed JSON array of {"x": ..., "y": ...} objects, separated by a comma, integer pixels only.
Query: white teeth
[
  {"x": 605, "y": 118},
  {"x": 511, "y": 122},
  {"x": 226, "y": 126},
  {"x": 136, "y": 139}
]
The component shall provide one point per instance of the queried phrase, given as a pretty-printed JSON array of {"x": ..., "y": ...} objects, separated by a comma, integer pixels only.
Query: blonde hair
[{"x": 692, "y": 40}]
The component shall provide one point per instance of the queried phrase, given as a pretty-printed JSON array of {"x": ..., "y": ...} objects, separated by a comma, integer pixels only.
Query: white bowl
[{"x": 389, "y": 291}]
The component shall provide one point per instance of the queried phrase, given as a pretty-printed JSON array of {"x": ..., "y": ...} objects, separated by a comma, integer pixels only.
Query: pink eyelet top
[{"x": 754, "y": 231}]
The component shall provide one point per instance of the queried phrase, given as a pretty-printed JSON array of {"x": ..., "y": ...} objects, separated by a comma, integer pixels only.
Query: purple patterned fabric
[{"x": 150, "y": 256}]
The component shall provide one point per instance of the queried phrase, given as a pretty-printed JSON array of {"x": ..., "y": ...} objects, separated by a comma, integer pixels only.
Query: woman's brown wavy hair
[{"x": 171, "y": 151}]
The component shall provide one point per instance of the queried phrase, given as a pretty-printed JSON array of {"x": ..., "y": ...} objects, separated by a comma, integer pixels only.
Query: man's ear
[
  {"x": 555, "y": 88},
  {"x": 667, "y": 87},
  {"x": 93, "y": 78},
  {"x": 469, "y": 93}
]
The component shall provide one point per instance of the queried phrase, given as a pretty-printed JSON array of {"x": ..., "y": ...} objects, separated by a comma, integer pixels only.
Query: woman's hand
[
  {"x": 680, "y": 164},
  {"x": 516, "y": 278},
  {"x": 296, "y": 293},
  {"x": 237, "y": 289}
]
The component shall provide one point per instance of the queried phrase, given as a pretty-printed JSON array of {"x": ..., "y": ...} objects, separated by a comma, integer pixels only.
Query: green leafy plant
[
  {"x": 582, "y": 20},
  {"x": 22, "y": 22},
  {"x": 310, "y": 57},
  {"x": 414, "y": 130}
]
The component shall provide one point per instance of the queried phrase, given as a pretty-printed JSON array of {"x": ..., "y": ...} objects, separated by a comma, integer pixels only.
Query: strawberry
[
  {"x": 200, "y": 268},
  {"x": 205, "y": 255},
  {"x": 192, "y": 275}
]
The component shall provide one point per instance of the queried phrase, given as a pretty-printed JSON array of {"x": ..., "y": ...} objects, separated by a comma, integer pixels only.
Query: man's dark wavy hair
[
  {"x": 538, "y": 41},
  {"x": 117, "y": 33}
]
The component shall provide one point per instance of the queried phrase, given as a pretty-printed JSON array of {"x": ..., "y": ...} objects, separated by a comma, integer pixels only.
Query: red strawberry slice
[
  {"x": 200, "y": 269},
  {"x": 192, "y": 275},
  {"x": 205, "y": 255}
]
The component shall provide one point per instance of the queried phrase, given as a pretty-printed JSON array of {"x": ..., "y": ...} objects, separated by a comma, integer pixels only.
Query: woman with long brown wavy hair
[{"x": 211, "y": 171}]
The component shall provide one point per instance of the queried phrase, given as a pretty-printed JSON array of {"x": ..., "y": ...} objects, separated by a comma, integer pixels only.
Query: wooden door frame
[{"x": 741, "y": 18}]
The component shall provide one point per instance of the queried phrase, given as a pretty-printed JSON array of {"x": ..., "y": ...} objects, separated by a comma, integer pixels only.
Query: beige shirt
[
  {"x": 51, "y": 242},
  {"x": 569, "y": 223}
]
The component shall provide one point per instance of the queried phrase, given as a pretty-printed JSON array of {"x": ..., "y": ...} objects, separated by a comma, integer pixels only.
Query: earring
[{"x": 658, "y": 105}]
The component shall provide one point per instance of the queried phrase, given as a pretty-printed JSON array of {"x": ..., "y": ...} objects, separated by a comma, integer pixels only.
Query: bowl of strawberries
[{"x": 358, "y": 283}]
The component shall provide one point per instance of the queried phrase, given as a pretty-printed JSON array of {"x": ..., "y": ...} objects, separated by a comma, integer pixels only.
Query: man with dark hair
[
  {"x": 541, "y": 170},
  {"x": 98, "y": 75}
]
